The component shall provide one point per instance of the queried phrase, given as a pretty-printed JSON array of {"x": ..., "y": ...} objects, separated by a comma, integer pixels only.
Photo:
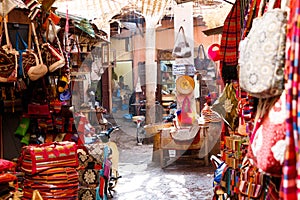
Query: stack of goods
[
  {"x": 234, "y": 150},
  {"x": 246, "y": 115},
  {"x": 210, "y": 115},
  {"x": 92, "y": 183},
  {"x": 8, "y": 180},
  {"x": 51, "y": 169}
]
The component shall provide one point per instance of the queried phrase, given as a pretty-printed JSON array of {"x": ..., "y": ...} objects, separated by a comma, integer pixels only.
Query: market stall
[{"x": 56, "y": 74}]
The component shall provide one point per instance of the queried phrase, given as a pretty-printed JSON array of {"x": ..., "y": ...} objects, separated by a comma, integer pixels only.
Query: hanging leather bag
[
  {"x": 262, "y": 54},
  {"x": 8, "y": 61},
  {"x": 182, "y": 48},
  {"x": 23, "y": 58},
  {"x": 202, "y": 62},
  {"x": 26, "y": 57},
  {"x": 53, "y": 57},
  {"x": 38, "y": 71}
]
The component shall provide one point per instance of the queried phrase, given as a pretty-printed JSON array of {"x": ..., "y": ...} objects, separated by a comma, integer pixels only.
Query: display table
[{"x": 165, "y": 142}]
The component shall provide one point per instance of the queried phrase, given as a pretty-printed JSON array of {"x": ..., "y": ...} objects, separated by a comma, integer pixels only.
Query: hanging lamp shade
[{"x": 214, "y": 52}]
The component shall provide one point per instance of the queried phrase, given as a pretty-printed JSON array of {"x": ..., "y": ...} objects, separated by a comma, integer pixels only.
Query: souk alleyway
[{"x": 143, "y": 179}]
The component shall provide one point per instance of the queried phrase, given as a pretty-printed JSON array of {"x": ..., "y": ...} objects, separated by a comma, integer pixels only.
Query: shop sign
[{"x": 182, "y": 69}]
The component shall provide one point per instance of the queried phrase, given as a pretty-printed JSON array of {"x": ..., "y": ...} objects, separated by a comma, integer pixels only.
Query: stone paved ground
[{"x": 143, "y": 179}]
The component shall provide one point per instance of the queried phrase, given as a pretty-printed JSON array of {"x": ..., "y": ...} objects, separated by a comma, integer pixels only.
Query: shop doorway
[{"x": 123, "y": 76}]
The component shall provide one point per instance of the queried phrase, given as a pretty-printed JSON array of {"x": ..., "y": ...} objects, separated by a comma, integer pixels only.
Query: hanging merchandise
[
  {"x": 46, "y": 4},
  {"x": 262, "y": 54},
  {"x": 201, "y": 61},
  {"x": 229, "y": 44},
  {"x": 245, "y": 112},
  {"x": 26, "y": 58},
  {"x": 183, "y": 69},
  {"x": 34, "y": 9},
  {"x": 65, "y": 95},
  {"x": 187, "y": 117},
  {"x": 38, "y": 109},
  {"x": 55, "y": 19},
  {"x": 230, "y": 182},
  {"x": 214, "y": 52},
  {"x": 8, "y": 62},
  {"x": 204, "y": 65},
  {"x": 251, "y": 184},
  {"x": 226, "y": 106},
  {"x": 23, "y": 127},
  {"x": 291, "y": 174},
  {"x": 7, "y": 6},
  {"x": 185, "y": 84},
  {"x": 38, "y": 71},
  {"x": 181, "y": 48},
  {"x": 267, "y": 142},
  {"x": 37, "y": 101},
  {"x": 62, "y": 84},
  {"x": 53, "y": 57}
]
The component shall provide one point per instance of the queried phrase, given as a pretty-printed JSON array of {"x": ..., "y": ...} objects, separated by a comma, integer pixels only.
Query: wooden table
[{"x": 166, "y": 143}]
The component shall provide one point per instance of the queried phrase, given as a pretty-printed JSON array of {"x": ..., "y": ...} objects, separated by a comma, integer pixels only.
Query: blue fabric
[
  {"x": 218, "y": 173},
  {"x": 101, "y": 173},
  {"x": 18, "y": 37}
]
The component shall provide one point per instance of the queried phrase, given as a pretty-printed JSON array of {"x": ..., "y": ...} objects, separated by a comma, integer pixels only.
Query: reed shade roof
[{"x": 101, "y": 12}]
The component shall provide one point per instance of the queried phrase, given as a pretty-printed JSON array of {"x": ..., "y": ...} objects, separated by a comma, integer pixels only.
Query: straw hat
[{"x": 185, "y": 84}]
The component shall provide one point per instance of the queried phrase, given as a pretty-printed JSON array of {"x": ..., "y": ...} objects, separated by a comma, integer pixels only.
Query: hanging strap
[
  {"x": 6, "y": 34},
  {"x": 37, "y": 43},
  {"x": 184, "y": 38},
  {"x": 1, "y": 31},
  {"x": 261, "y": 8},
  {"x": 50, "y": 22},
  {"x": 201, "y": 48},
  {"x": 21, "y": 51},
  {"x": 251, "y": 15},
  {"x": 182, "y": 30}
]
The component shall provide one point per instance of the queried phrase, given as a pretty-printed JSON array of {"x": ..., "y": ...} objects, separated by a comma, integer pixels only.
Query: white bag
[{"x": 262, "y": 55}]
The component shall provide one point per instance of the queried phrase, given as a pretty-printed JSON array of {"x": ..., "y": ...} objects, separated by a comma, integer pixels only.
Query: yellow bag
[{"x": 226, "y": 106}]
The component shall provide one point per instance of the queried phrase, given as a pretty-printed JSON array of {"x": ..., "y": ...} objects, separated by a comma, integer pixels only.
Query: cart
[{"x": 168, "y": 142}]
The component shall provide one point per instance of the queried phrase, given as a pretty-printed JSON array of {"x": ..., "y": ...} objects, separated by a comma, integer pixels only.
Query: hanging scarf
[
  {"x": 289, "y": 188},
  {"x": 231, "y": 37}
]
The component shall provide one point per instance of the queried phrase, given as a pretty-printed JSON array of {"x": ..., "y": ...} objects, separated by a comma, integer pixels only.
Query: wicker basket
[{"x": 152, "y": 129}]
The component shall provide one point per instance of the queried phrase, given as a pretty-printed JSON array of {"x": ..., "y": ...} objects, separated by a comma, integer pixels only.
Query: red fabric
[
  {"x": 36, "y": 158},
  {"x": 6, "y": 165},
  {"x": 268, "y": 141},
  {"x": 5, "y": 178},
  {"x": 289, "y": 187},
  {"x": 231, "y": 37},
  {"x": 186, "y": 112}
]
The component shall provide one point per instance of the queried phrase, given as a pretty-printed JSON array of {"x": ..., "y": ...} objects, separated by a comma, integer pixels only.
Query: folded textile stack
[
  {"x": 51, "y": 169},
  {"x": 210, "y": 115},
  {"x": 55, "y": 183},
  {"x": 8, "y": 180}
]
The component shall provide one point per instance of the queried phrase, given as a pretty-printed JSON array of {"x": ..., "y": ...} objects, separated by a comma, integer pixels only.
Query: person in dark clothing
[{"x": 132, "y": 108}]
